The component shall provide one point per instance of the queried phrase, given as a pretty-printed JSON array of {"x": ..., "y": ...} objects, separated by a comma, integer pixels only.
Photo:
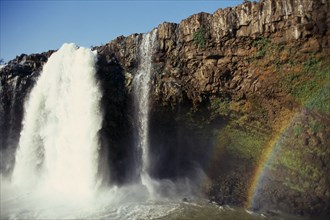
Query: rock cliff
[{"x": 226, "y": 88}]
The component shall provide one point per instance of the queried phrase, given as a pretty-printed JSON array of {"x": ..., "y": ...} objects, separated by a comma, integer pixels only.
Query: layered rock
[{"x": 228, "y": 36}]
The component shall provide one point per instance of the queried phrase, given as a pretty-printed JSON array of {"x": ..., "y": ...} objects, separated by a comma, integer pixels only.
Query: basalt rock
[{"x": 17, "y": 79}]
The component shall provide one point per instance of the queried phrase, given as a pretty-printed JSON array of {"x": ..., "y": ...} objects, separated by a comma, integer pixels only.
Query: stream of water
[
  {"x": 141, "y": 89},
  {"x": 56, "y": 172}
]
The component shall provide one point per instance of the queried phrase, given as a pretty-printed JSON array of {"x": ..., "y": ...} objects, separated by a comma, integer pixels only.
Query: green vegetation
[
  {"x": 277, "y": 64},
  {"x": 262, "y": 44},
  {"x": 293, "y": 160},
  {"x": 257, "y": 107},
  {"x": 299, "y": 153},
  {"x": 270, "y": 56},
  {"x": 241, "y": 136},
  {"x": 317, "y": 126},
  {"x": 245, "y": 143},
  {"x": 296, "y": 187},
  {"x": 220, "y": 107},
  {"x": 297, "y": 130},
  {"x": 297, "y": 86},
  {"x": 310, "y": 64},
  {"x": 296, "y": 166},
  {"x": 199, "y": 37},
  {"x": 311, "y": 87},
  {"x": 320, "y": 101}
]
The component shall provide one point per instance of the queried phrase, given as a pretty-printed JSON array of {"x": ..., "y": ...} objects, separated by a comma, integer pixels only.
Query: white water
[
  {"x": 58, "y": 147},
  {"x": 129, "y": 203},
  {"x": 55, "y": 176},
  {"x": 141, "y": 89}
]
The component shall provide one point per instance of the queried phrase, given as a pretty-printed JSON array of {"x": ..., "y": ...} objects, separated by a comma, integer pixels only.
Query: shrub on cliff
[{"x": 199, "y": 37}]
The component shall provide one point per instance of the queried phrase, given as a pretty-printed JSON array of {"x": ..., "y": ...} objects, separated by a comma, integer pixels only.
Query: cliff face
[
  {"x": 195, "y": 53},
  {"x": 17, "y": 79},
  {"x": 226, "y": 88},
  {"x": 218, "y": 62}
]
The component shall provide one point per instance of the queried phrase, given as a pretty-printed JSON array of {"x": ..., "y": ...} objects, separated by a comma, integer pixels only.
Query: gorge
[{"x": 231, "y": 107}]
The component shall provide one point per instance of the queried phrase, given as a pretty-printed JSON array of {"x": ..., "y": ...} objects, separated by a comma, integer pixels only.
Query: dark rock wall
[
  {"x": 17, "y": 80},
  {"x": 116, "y": 134}
]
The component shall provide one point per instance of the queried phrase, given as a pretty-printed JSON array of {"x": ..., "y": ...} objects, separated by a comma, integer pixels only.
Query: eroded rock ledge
[{"x": 185, "y": 68}]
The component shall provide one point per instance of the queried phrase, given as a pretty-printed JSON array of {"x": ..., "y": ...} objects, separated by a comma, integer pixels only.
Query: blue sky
[{"x": 35, "y": 26}]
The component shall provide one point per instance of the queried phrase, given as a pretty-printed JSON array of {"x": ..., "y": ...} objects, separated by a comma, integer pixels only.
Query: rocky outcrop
[
  {"x": 185, "y": 68},
  {"x": 222, "y": 79},
  {"x": 222, "y": 64},
  {"x": 299, "y": 166},
  {"x": 17, "y": 79},
  {"x": 224, "y": 85}
]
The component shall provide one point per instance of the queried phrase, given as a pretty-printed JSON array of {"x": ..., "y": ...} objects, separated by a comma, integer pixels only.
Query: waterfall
[
  {"x": 141, "y": 88},
  {"x": 58, "y": 146}
]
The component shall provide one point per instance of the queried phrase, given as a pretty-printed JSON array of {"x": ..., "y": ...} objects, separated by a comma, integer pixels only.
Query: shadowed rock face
[
  {"x": 17, "y": 79},
  {"x": 224, "y": 86}
]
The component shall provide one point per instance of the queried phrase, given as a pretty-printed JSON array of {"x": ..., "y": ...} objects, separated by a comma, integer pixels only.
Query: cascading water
[
  {"x": 55, "y": 176},
  {"x": 58, "y": 147},
  {"x": 141, "y": 89}
]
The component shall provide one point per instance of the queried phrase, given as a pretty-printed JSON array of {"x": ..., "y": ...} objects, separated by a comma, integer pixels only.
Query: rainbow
[
  {"x": 265, "y": 158},
  {"x": 268, "y": 153}
]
